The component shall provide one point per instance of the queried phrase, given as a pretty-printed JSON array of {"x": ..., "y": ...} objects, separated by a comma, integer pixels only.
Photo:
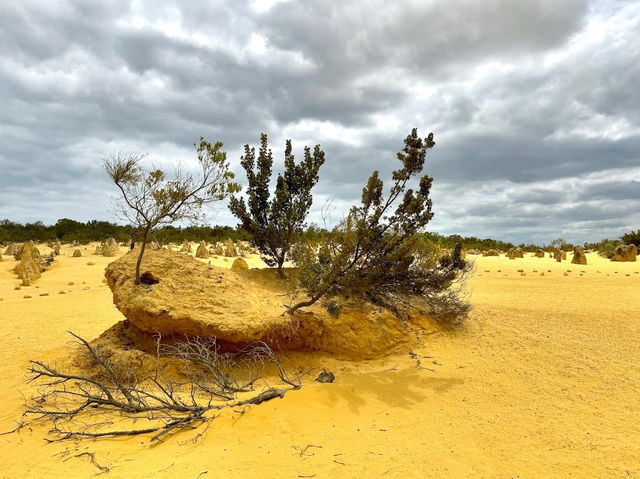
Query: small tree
[
  {"x": 561, "y": 244},
  {"x": 377, "y": 254},
  {"x": 149, "y": 199},
  {"x": 277, "y": 224}
]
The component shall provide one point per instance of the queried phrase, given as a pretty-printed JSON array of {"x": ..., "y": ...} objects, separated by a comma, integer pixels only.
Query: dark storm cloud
[{"x": 534, "y": 104}]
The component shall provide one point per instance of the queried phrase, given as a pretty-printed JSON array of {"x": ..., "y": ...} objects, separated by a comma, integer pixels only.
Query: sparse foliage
[
  {"x": 150, "y": 199},
  {"x": 275, "y": 224},
  {"x": 562, "y": 244},
  {"x": 376, "y": 252}
]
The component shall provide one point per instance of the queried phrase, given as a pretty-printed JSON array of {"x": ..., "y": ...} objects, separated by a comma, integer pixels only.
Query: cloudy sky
[{"x": 534, "y": 104}]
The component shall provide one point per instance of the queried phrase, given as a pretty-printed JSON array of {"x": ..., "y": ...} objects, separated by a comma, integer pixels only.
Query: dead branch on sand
[{"x": 82, "y": 405}]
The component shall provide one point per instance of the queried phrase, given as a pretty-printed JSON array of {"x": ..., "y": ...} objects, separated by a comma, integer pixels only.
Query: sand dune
[{"x": 542, "y": 381}]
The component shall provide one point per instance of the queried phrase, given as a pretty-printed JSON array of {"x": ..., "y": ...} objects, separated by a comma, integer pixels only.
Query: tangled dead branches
[{"x": 95, "y": 405}]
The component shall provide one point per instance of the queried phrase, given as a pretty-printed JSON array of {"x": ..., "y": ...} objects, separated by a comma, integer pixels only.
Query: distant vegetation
[
  {"x": 68, "y": 230},
  {"x": 605, "y": 247},
  {"x": 468, "y": 242}
]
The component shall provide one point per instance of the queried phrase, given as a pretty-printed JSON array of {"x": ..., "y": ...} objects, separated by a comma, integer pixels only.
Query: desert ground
[{"x": 541, "y": 381}]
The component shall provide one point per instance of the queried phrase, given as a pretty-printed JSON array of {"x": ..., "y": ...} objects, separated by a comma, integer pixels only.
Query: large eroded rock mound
[{"x": 191, "y": 298}]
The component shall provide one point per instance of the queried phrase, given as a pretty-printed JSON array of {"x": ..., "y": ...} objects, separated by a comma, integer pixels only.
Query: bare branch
[{"x": 72, "y": 401}]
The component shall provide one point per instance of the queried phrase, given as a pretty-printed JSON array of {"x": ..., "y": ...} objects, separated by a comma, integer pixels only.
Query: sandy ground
[{"x": 542, "y": 381}]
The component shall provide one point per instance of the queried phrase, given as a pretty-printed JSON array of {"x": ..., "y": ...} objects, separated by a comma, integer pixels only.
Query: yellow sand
[{"x": 542, "y": 381}]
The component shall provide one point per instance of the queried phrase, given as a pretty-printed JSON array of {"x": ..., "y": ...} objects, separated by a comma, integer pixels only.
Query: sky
[{"x": 534, "y": 104}]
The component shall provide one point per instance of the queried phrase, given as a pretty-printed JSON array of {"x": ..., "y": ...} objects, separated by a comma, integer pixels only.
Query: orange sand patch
[{"x": 542, "y": 381}]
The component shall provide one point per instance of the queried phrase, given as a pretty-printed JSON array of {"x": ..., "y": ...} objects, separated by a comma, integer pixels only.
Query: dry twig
[{"x": 72, "y": 402}]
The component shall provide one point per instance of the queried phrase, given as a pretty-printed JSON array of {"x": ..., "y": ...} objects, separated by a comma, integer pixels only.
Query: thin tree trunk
[
  {"x": 142, "y": 248},
  {"x": 304, "y": 304},
  {"x": 280, "y": 270}
]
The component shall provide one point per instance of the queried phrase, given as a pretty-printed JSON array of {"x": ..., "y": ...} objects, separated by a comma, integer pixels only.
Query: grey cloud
[
  {"x": 518, "y": 94},
  {"x": 423, "y": 37},
  {"x": 613, "y": 191}
]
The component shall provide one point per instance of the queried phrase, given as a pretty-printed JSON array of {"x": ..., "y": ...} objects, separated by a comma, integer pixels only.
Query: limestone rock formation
[
  {"x": 77, "y": 253},
  {"x": 12, "y": 249},
  {"x": 17, "y": 255},
  {"x": 559, "y": 255},
  {"x": 239, "y": 263},
  {"x": 191, "y": 298},
  {"x": 631, "y": 253},
  {"x": 98, "y": 250},
  {"x": 186, "y": 247},
  {"x": 491, "y": 252},
  {"x": 202, "y": 251},
  {"x": 578, "y": 255},
  {"x": 230, "y": 249},
  {"x": 110, "y": 248},
  {"x": 625, "y": 253},
  {"x": 29, "y": 269},
  {"x": 514, "y": 253},
  {"x": 539, "y": 253}
]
